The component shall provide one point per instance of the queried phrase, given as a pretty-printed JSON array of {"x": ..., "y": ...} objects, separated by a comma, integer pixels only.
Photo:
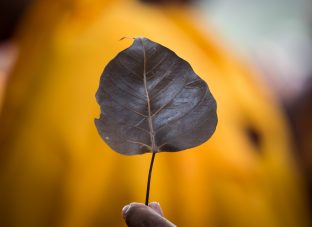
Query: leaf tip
[{"x": 126, "y": 37}]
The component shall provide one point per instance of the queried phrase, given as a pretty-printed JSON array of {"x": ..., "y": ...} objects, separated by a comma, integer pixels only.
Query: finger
[
  {"x": 156, "y": 207},
  {"x": 139, "y": 215}
]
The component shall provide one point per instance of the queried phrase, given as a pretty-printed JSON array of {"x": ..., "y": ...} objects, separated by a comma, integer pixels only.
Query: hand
[{"x": 139, "y": 215}]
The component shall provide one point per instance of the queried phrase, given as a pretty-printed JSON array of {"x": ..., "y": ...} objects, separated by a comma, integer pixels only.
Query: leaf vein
[
  {"x": 130, "y": 70},
  {"x": 140, "y": 143},
  {"x": 187, "y": 113},
  {"x": 150, "y": 122},
  {"x": 128, "y": 108},
  {"x": 168, "y": 103},
  {"x": 132, "y": 94}
]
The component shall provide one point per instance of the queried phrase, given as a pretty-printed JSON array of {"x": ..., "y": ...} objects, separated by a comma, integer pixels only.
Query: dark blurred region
[
  {"x": 11, "y": 14},
  {"x": 300, "y": 117},
  {"x": 11, "y": 11}
]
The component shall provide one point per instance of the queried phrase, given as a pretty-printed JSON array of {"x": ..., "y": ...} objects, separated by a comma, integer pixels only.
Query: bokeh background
[{"x": 55, "y": 171}]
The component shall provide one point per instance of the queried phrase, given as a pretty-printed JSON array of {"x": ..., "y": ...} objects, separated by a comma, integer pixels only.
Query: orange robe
[{"x": 55, "y": 169}]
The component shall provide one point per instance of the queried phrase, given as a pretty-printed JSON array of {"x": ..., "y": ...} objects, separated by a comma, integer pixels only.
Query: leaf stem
[{"x": 149, "y": 178}]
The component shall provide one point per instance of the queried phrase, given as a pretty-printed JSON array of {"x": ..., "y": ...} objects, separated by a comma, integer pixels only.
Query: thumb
[{"x": 139, "y": 215}]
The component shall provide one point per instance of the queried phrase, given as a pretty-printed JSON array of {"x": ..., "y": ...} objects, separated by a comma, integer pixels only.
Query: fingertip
[
  {"x": 124, "y": 210},
  {"x": 156, "y": 207}
]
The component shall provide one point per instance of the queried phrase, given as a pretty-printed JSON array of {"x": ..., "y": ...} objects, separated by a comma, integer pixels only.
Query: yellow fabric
[{"x": 56, "y": 170}]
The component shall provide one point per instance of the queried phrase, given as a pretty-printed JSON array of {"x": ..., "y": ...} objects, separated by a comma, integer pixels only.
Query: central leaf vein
[{"x": 149, "y": 117}]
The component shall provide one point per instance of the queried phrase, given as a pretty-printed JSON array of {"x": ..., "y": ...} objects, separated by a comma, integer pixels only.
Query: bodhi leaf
[{"x": 151, "y": 101}]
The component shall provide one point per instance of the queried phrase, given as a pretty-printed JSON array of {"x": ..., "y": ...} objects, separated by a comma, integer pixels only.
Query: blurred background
[{"x": 256, "y": 58}]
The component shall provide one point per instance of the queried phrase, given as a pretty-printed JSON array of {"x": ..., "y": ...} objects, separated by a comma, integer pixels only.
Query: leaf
[{"x": 151, "y": 101}]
